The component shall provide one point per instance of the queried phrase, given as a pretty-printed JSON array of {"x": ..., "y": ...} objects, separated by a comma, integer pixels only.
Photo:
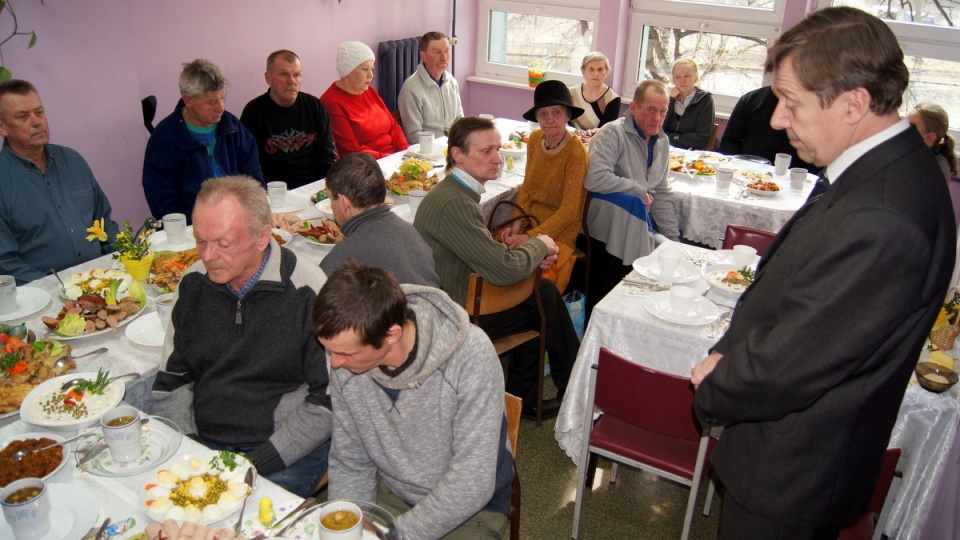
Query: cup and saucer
[
  {"x": 682, "y": 305},
  {"x": 667, "y": 266}
]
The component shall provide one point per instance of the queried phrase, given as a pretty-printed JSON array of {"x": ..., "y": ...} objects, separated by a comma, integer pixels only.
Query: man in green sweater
[{"x": 450, "y": 220}]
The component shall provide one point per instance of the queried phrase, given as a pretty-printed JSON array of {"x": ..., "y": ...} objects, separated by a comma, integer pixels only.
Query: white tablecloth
[
  {"x": 926, "y": 428},
  {"x": 705, "y": 212}
]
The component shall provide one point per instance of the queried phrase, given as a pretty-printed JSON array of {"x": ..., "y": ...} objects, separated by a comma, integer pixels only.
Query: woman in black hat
[{"x": 552, "y": 188}]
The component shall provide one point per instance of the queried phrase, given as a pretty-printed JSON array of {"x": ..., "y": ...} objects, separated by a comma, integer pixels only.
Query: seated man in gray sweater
[
  {"x": 241, "y": 369},
  {"x": 375, "y": 235},
  {"x": 418, "y": 396}
]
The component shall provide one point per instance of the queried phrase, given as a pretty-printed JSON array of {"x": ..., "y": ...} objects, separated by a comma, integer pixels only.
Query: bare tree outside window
[{"x": 520, "y": 39}]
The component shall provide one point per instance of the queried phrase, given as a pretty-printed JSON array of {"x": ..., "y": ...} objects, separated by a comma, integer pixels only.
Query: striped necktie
[{"x": 818, "y": 189}]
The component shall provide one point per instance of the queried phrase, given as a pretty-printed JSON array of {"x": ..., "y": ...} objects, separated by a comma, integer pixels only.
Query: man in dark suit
[{"x": 809, "y": 378}]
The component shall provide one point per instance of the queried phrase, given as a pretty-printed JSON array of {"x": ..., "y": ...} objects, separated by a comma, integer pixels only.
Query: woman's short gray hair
[
  {"x": 594, "y": 57},
  {"x": 201, "y": 76}
]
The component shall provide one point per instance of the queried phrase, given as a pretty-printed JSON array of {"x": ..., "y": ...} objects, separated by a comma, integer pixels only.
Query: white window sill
[{"x": 499, "y": 82}]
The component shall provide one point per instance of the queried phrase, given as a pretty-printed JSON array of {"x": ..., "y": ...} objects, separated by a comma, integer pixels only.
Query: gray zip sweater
[
  {"x": 435, "y": 434},
  {"x": 249, "y": 372}
]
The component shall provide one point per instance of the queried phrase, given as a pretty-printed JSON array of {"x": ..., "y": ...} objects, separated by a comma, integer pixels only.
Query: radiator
[{"x": 396, "y": 60}]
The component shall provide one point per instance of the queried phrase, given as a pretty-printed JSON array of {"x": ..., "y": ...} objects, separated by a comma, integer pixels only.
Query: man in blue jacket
[{"x": 199, "y": 140}]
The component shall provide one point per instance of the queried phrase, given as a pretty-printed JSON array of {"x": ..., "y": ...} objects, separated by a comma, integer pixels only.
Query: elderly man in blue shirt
[{"x": 48, "y": 195}]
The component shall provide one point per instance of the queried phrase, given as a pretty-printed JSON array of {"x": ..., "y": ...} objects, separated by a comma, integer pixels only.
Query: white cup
[
  {"x": 29, "y": 520},
  {"x": 352, "y": 533},
  {"x": 426, "y": 142},
  {"x": 780, "y": 164},
  {"x": 798, "y": 175},
  {"x": 8, "y": 293},
  {"x": 743, "y": 255},
  {"x": 123, "y": 439},
  {"x": 175, "y": 226},
  {"x": 681, "y": 298},
  {"x": 724, "y": 177},
  {"x": 669, "y": 262},
  {"x": 415, "y": 197},
  {"x": 165, "y": 304},
  {"x": 277, "y": 192}
]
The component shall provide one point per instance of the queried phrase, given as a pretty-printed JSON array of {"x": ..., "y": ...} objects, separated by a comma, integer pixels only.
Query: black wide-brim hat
[{"x": 550, "y": 93}]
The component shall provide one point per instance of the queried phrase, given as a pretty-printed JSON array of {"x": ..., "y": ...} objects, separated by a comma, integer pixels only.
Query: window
[
  {"x": 555, "y": 36},
  {"x": 727, "y": 38},
  {"x": 928, "y": 33}
]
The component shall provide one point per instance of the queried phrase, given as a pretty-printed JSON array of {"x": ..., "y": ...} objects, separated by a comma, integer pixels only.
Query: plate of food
[
  {"x": 92, "y": 315},
  {"x": 585, "y": 135},
  {"x": 514, "y": 149},
  {"x": 326, "y": 210},
  {"x": 378, "y": 524},
  {"x": 727, "y": 279},
  {"x": 39, "y": 463},
  {"x": 168, "y": 268},
  {"x": 763, "y": 188},
  {"x": 159, "y": 441},
  {"x": 749, "y": 176},
  {"x": 49, "y": 406},
  {"x": 203, "y": 487},
  {"x": 413, "y": 174},
  {"x": 28, "y": 367},
  {"x": 101, "y": 281},
  {"x": 322, "y": 233},
  {"x": 281, "y": 236}
]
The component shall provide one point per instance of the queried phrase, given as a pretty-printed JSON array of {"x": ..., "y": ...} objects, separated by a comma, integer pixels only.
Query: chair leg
[
  {"x": 688, "y": 516},
  {"x": 588, "y": 467},
  {"x": 613, "y": 472},
  {"x": 711, "y": 487}
]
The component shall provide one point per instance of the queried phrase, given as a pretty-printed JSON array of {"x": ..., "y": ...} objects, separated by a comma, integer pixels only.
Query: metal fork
[{"x": 720, "y": 327}]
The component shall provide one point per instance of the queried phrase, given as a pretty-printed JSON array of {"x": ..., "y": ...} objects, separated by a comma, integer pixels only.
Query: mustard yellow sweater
[{"x": 553, "y": 188}]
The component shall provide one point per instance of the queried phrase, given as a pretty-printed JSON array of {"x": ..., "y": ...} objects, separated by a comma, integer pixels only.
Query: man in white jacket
[{"x": 430, "y": 98}]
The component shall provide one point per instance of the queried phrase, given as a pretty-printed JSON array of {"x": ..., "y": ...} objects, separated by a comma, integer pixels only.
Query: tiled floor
[{"x": 638, "y": 506}]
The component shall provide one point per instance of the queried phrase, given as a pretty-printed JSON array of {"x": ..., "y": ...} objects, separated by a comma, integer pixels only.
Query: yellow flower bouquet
[
  {"x": 945, "y": 328},
  {"x": 132, "y": 248}
]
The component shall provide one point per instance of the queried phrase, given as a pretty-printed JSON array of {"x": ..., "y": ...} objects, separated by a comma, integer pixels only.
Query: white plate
[
  {"x": 761, "y": 193},
  {"x": 650, "y": 266},
  {"x": 403, "y": 210},
  {"x": 514, "y": 152},
  {"x": 159, "y": 442},
  {"x": 73, "y": 511},
  {"x": 29, "y": 301},
  {"x": 127, "y": 320},
  {"x": 703, "y": 312},
  {"x": 436, "y": 156},
  {"x": 54, "y": 436},
  {"x": 724, "y": 289},
  {"x": 325, "y": 209},
  {"x": 158, "y": 241},
  {"x": 202, "y": 457},
  {"x": 286, "y": 235},
  {"x": 293, "y": 202},
  {"x": 28, "y": 409},
  {"x": 146, "y": 331}
]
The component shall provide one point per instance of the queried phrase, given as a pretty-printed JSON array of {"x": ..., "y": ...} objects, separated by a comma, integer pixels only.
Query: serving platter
[
  {"x": 127, "y": 320},
  {"x": 31, "y": 410}
]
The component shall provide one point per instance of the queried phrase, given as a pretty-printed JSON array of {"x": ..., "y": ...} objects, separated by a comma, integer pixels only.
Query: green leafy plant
[{"x": 5, "y": 73}]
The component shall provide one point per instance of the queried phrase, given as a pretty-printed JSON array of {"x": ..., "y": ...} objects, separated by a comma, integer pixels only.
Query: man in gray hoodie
[{"x": 418, "y": 398}]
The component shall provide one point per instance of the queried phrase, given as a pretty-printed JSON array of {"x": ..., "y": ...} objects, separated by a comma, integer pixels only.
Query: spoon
[
  {"x": 19, "y": 454},
  {"x": 248, "y": 480},
  {"x": 70, "y": 359},
  {"x": 71, "y": 382},
  {"x": 56, "y": 275}
]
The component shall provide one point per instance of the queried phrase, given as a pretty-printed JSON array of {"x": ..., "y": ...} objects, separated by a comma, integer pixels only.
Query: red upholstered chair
[
  {"x": 756, "y": 238},
  {"x": 884, "y": 495},
  {"x": 648, "y": 423}
]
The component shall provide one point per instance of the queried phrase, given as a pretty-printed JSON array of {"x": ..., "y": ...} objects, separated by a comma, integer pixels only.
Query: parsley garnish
[
  {"x": 227, "y": 458},
  {"x": 94, "y": 387},
  {"x": 8, "y": 360}
]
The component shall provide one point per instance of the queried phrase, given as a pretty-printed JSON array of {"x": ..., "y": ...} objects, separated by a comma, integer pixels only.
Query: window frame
[
  {"x": 706, "y": 17},
  {"x": 588, "y": 10}
]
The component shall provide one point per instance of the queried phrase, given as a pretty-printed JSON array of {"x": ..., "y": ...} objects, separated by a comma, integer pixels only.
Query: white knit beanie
[{"x": 351, "y": 54}]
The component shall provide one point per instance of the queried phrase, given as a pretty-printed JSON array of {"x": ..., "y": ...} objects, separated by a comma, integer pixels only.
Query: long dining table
[
  {"x": 926, "y": 429},
  {"x": 117, "y": 497}
]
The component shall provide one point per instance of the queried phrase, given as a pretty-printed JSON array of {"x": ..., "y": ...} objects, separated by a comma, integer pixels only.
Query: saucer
[
  {"x": 146, "y": 331},
  {"x": 29, "y": 301},
  {"x": 703, "y": 311},
  {"x": 649, "y": 266},
  {"x": 158, "y": 241},
  {"x": 73, "y": 511},
  {"x": 159, "y": 442},
  {"x": 292, "y": 203}
]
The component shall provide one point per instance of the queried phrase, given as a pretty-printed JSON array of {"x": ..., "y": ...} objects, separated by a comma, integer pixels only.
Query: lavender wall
[{"x": 95, "y": 60}]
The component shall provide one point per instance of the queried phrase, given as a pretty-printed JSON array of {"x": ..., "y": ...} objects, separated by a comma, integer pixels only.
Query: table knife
[{"x": 95, "y": 531}]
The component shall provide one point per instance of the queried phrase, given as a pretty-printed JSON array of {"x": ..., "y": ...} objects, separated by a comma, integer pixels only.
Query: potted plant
[
  {"x": 946, "y": 329},
  {"x": 132, "y": 249},
  {"x": 535, "y": 74}
]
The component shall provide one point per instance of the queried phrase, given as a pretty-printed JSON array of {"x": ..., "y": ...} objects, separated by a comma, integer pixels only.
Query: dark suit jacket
[{"x": 822, "y": 345}]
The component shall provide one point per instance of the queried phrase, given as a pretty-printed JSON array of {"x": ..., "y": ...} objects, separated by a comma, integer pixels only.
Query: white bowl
[
  {"x": 325, "y": 209},
  {"x": 286, "y": 235},
  {"x": 713, "y": 274},
  {"x": 31, "y": 410},
  {"x": 514, "y": 152},
  {"x": 54, "y": 436}
]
